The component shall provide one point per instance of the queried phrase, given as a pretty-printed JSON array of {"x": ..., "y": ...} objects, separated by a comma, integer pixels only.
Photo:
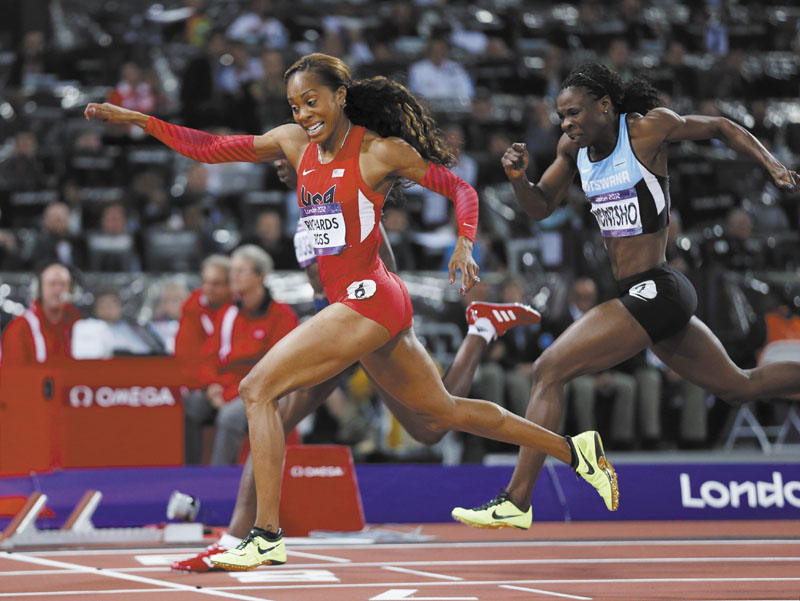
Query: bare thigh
[
  {"x": 313, "y": 352},
  {"x": 404, "y": 371}
]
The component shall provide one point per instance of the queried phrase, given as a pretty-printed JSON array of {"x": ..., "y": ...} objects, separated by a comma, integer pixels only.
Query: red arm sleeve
[
  {"x": 201, "y": 146},
  {"x": 445, "y": 182}
]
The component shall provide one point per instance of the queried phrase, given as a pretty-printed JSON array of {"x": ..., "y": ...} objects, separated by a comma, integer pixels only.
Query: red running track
[{"x": 641, "y": 561}]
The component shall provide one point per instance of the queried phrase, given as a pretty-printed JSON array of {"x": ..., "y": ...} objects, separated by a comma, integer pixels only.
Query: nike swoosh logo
[
  {"x": 265, "y": 551},
  {"x": 307, "y": 172},
  {"x": 586, "y": 461},
  {"x": 503, "y": 517}
]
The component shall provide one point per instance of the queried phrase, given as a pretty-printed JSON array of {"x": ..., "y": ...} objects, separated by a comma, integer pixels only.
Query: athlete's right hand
[
  {"x": 109, "y": 113},
  {"x": 515, "y": 160}
]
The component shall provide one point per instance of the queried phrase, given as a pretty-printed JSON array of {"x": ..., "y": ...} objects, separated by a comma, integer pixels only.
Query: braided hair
[
  {"x": 637, "y": 95},
  {"x": 380, "y": 104}
]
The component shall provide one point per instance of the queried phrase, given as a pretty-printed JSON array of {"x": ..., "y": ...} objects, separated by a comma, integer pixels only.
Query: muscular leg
[
  {"x": 297, "y": 405},
  {"x": 315, "y": 351},
  {"x": 293, "y": 408},
  {"x": 697, "y": 354},
  {"x": 405, "y": 370},
  {"x": 600, "y": 339},
  {"x": 457, "y": 381}
]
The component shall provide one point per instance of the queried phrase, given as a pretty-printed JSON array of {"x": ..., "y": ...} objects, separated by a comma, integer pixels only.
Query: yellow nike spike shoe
[
  {"x": 499, "y": 512},
  {"x": 595, "y": 468},
  {"x": 255, "y": 550}
]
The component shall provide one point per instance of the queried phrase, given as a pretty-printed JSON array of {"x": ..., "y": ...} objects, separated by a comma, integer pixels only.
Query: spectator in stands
[
  {"x": 553, "y": 70},
  {"x": 269, "y": 91},
  {"x": 739, "y": 249},
  {"x": 10, "y": 259},
  {"x": 437, "y": 76},
  {"x": 675, "y": 76},
  {"x": 197, "y": 28},
  {"x": 402, "y": 21},
  {"x": 44, "y": 331},
  {"x": 614, "y": 385},
  {"x": 132, "y": 91},
  {"x": 200, "y": 316},
  {"x": 23, "y": 170},
  {"x": 656, "y": 382},
  {"x": 115, "y": 334},
  {"x": 259, "y": 27},
  {"x": 55, "y": 243},
  {"x": 114, "y": 249},
  {"x": 33, "y": 60},
  {"x": 398, "y": 232},
  {"x": 618, "y": 57},
  {"x": 236, "y": 78},
  {"x": 268, "y": 234},
  {"x": 194, "y": 218},
  {"x": 147, "y": 193},
  {"x": 245, "y": 332},
  {"x": 506, "y": 374},
  {"x": 541, "y": 134},
  {"x": 201, "y": 95},
  {"x": 167, "y": 314}
]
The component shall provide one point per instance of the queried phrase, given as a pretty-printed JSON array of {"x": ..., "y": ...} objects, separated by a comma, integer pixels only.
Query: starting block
[
  {"x": 79, "y": 530},
  {"x": 319, "y": 491}
]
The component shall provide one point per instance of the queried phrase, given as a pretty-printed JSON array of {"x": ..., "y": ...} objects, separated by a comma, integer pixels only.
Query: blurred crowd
[{"x": 109, "y": 200}]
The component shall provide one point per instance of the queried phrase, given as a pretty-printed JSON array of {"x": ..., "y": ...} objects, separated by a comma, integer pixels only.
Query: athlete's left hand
[
  {"x": 786, "y": 179},
  {"x": 462, "y": 260}
]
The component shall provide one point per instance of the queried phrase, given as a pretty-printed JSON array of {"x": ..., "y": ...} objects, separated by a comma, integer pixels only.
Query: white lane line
[
  {"x": 559, "y": 561},
  {"x": 541, "y": 592},
  {"x": 444, "y": 545},
  {"x": 51, "y": 572},
  {"x": 420, "y": 573},
  {"x": 185, "y": 551},
  {"x": 86, "y": 594},
  {"x": 499, "y": 582},
  {"x": 119, "y": 575},
  {"x": 315, "y": 556}
]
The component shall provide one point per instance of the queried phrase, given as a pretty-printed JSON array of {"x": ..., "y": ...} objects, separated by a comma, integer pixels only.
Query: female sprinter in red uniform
[
  {"x": 616, "y": 138},
  {"x": 351, "y": 141}
]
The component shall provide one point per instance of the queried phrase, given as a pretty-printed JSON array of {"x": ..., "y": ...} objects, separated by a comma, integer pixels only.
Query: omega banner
[{"x": 83, "y": 396}]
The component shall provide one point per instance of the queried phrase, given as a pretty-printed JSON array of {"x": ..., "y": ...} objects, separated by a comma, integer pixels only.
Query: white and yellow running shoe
[
  {"x": 255, "y": 550},
  {"x": 499, "y": 512},
  {"x": 595, "y": 468}
]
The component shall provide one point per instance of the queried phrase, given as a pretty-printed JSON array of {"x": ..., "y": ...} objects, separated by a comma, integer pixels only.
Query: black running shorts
[{"x": 661, "y": 299}]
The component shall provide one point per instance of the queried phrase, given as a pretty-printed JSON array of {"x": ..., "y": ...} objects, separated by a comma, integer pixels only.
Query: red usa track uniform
[{"x": 341, "y": 213}]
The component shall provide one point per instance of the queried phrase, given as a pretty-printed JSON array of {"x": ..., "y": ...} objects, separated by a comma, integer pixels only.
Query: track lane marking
[
  {"x": 109, "y": 573},
  {"x": 541, "y": 592},
  {"x": 394, "y": 568}
]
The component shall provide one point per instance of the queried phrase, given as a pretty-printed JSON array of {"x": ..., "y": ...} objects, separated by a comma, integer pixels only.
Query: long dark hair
[
  {"x": 634, "y": 96},
  {"x": 380, "y": 104}
]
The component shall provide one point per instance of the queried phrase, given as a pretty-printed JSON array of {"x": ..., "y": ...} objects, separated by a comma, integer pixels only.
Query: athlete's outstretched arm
[
  {"x": 541, "y": 199},
  {"x": 390, "y": 158},
  {"x": 285, "y": 141},
  {"x": 698, "y": 127}
]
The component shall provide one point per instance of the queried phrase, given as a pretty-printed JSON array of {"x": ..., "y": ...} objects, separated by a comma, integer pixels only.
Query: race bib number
[
  {"x": 361, "y": 290},
  {"x": 325, "y": 225},
  {"x": 617, "y": 213},
  {"x": 304, "y": 246}
]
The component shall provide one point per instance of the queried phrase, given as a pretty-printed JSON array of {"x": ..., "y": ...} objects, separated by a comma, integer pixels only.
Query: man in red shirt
[
  {"x": 44, "y": 331},
  {"x": 244, "y": 332},
  {"x": 198, "y": 324}
]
